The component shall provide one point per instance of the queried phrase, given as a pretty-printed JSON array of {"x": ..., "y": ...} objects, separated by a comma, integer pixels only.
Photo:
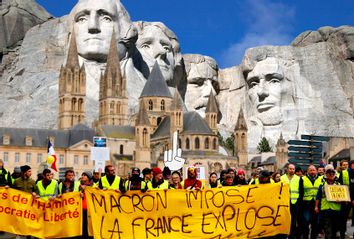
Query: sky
[{"x": 224, "y": 29}]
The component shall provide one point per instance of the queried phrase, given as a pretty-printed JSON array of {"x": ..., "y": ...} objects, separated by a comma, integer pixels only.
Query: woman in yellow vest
[
  {"x": 330, "y": 211},
  {"x": 157, "y": 182},
  {"x": 47, "y": 188}
]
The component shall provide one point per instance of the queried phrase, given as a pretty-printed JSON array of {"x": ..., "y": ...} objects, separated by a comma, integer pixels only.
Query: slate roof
[
  {"x": 269, "y": 161},
  {"x": 343, "y": 154},
  {"x": 156, "y": 84},
  {"x": 62, "y": 138},
  {"x": 211, "y": 106},
  {"x": 118, "y": 131},
  {"x": 193, "y": 123}
]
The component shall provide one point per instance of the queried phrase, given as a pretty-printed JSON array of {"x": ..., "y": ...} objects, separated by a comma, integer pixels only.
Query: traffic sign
[
  {"x": 305, "y": 143},
  {"x": 99, "y": 141},
  {"x": 304, "y": 149},
  {"x": 315, "y": 137}
]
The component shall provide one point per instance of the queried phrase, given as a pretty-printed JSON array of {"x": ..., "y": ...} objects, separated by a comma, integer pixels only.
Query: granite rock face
[
  {"x": 306, "y": 88},
  {"x": 202, "y": 76},
  {"x": 16, "y": 18}
]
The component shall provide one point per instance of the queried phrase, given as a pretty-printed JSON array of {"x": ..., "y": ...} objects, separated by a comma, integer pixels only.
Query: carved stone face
[
  {"x": 154, "y": 45},
  {"x": 202, "y": 76},
  {"x": 94, "y": 24},
  {"x": 265, "y": 89}
]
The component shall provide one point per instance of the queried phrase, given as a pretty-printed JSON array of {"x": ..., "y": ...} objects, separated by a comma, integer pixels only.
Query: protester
[
  {"x": 229, "y": 181},
  {"x": 343, "y": 179},
  {"x": 254, "y": 176},
  {"x": 47, "y": 188},
  {"x": 146, "y": 178},
  {"x": 192, "y": 182},
  {"x": 320, "y": 170},
  {"x": 110, "y": 181},
  {"x": 25, "y": 182},
  {"x": 310, "y": 184},
  {"x": 264, "y": 177},
  {"x": 329, "y": 211},
  {"x": 176, "y": 180},
  {"x": 222, "y": 176},
  {"x": 276, "y": 176},
  {"x": 15, "y": 174},
  {"x": 69, "y": 184},
  {"x": 241, "y": 177},
  {"x": 95, "y": 177},
  {"x": 166, "y": 173},
  {"x": 157, "y": 181},
  {"x": 213, "y": 180},
  {"x": 134, "y": 182},
  {"x": 5, "y": 177},
  {"x": 86, "y": 180},
  {"x": 299, "y": 172},
  {"x": 293, "y": 180},
  {"x": 351, "y": 187}
]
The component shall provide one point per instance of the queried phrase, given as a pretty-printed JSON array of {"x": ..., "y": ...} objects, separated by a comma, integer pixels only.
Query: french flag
[{"x": 52, "y": 158}]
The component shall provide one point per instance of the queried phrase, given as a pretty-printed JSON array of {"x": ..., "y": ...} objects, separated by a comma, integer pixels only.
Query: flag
[{"x": 52, "y": 158}]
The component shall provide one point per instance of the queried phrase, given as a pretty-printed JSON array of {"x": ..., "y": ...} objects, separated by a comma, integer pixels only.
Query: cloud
[{"x": 268, "y": 23}]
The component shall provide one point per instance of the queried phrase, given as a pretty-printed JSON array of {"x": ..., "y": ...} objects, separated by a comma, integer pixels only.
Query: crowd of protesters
[{"x": 311, "y": 213}]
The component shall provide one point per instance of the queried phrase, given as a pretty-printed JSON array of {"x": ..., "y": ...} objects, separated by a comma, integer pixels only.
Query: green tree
[
  {"x": 263, "y": 146},
  {"x": 229, "y": 143}
]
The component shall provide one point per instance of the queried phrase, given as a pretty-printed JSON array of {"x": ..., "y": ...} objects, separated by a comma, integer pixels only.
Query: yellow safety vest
[
  {"x": 310, "y": 191},
  {"x": 49, "y": 191},
  {"x": 326, "y": 205},
  {"x": 257, "y": 181},
  {"x": 345, "y": 177},
  {"x": 115, "y": 184},
  {"x": 164, "y": 185},
  {"x": 76, "y": 187},
  {"x": 293, "y": 185}
]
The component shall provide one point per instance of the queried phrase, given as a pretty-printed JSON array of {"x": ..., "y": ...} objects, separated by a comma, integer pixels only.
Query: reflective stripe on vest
[
  {"x": 49, "y": 191},
  {"x": 76, "y": 187},
  {"x": 164, "y": 185},
  {"x": 293, "y": 185},
  {"x": 310, "y": 190},
  {"x": 115, "y": 184},
  {"x": 326, "y": 205}
]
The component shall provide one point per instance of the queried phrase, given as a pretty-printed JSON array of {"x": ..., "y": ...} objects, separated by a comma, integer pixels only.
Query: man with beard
[
  {"x": 110, "y": 181},
  {"x": 134, "y": 182},
  {"x": 25, "y": 182},
  {"x": 69, "y": 184},
  {"x": 310, "y": 183},
  {"x": 191, "y": 182},
  {"x": 157, "y": 181},
  {"x": 47, "y": 188}
]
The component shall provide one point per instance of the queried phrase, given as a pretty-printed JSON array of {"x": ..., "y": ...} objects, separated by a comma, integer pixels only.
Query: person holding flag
[{"x": 52, "y": 158}]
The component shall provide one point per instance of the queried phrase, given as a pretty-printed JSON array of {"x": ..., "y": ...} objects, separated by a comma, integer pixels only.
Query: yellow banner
[
  {"x": 230, "y": 212},
  {"x": 22, "y": 214}
]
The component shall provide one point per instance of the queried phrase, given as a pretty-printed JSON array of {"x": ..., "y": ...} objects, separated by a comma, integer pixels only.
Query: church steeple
[
  {"x": 72, "y": 89},
  {"x": 211, "y": 113},
  {"x": 156, "y": 96},
  {"x": 176, "y": 115},
  {"x": 112, "y": 96},
  {"x": 241, "y": 145}
]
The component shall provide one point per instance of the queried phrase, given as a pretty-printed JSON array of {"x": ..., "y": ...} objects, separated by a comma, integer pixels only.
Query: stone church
[{"x": 142, "y": 140}]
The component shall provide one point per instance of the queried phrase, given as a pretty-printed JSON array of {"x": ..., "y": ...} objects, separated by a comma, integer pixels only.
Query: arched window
[
  {"x": 121, "y": 149},
  {"x": 80, "y": 104},
  {"x": 145, "y": 137},
  {"x": 187, "y": 143},
  {"x": 151, "y": 105},
  {"x": 111, "y": 110},
  {"x": 179, "y": 143},
  {"x": 118, "y": 107},
  {"x": 214, "y": 143},
  {"x": 243, "y": 140},
  {"x": 197, "y": 143},
  {"x": 206, "y": 143},
  {"x": 73, "y": 104},
  {"x": 162, "y": 104}
]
